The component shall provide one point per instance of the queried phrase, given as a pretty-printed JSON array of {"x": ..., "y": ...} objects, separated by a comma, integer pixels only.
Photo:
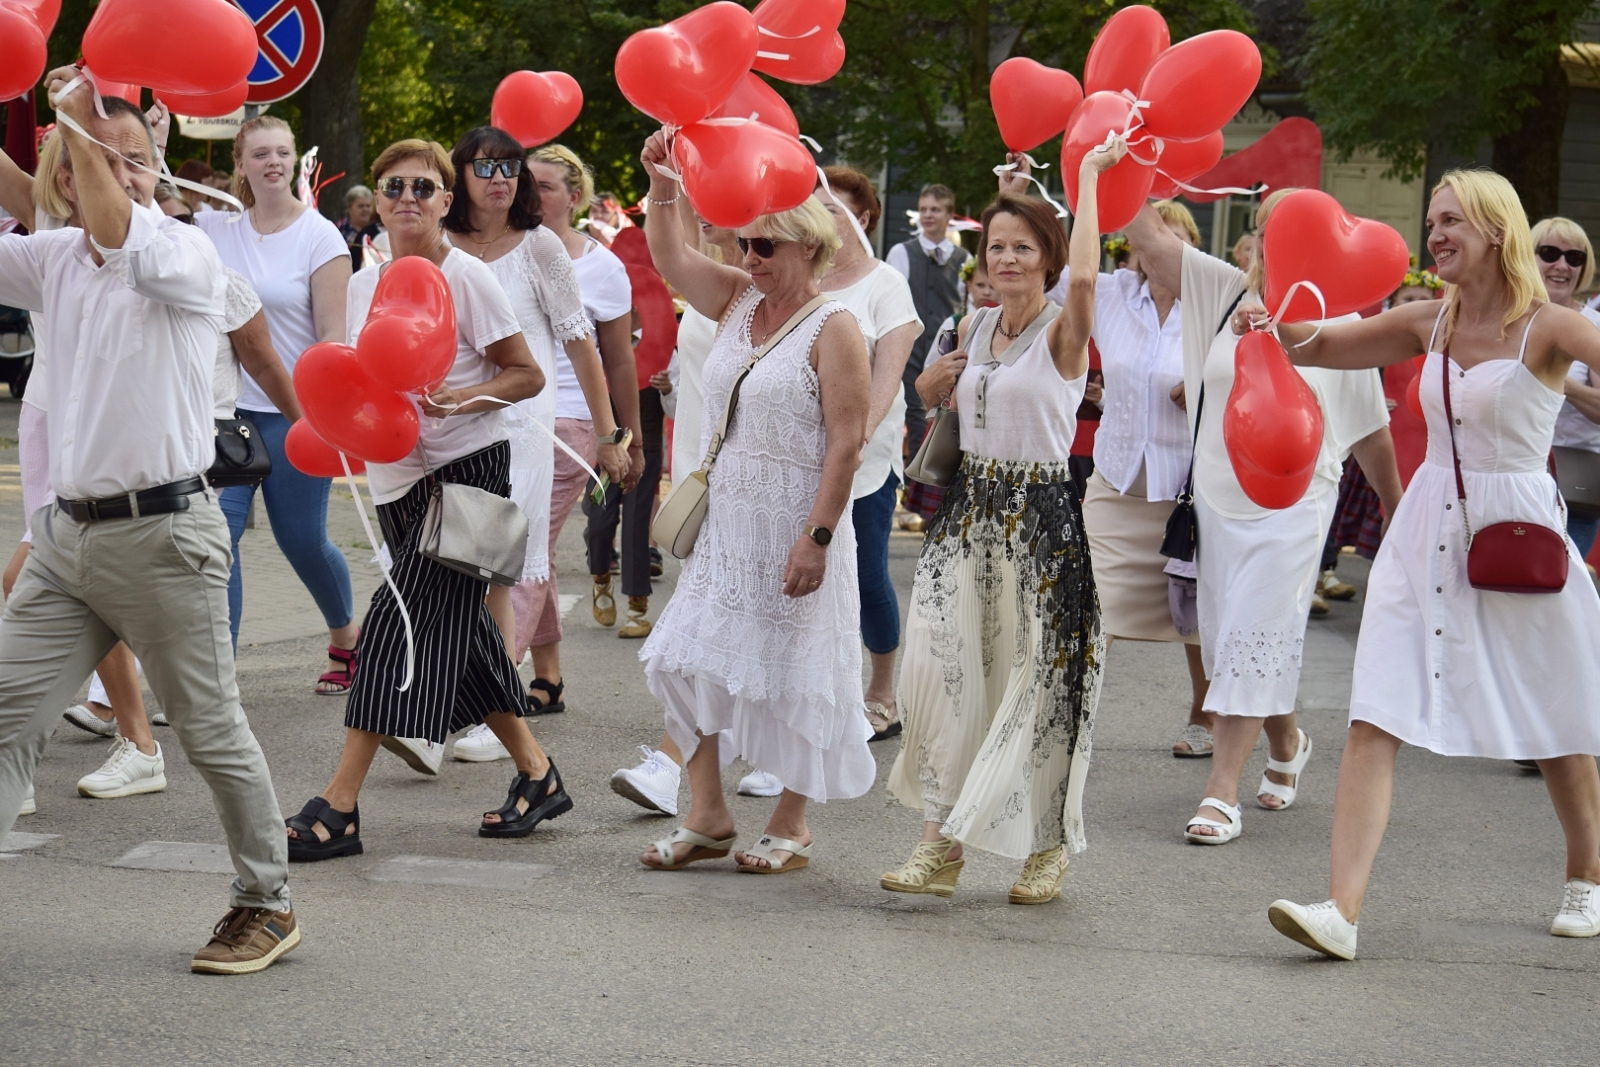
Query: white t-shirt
[
  {"x": 1351, "y": 401},
  {"x": 696, "y": 335},
  {"x": 881, "y": 302},
  {"x": 38, "y": 392},
  {"x": 1573, "y": 428},
  {"x": 279, "y": 267},
  {"x": 607, "y": 295},
  {"x": 483, "y": 316},
  {"x": 240, "y": 305}
]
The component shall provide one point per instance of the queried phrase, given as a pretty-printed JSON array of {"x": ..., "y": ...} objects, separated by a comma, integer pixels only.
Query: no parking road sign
[{"x": 289, "y": 36}]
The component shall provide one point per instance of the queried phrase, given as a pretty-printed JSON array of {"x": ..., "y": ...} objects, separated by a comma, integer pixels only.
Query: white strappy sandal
[
  {"x": 704, "y": 848},
  {"x": 1225, "y": 831},
  {"x": 799, "y": 856},
  {"x": 1296, "y": 767}
]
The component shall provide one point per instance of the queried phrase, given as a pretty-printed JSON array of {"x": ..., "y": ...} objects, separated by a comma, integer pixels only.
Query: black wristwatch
[
  {"x": 620, "y": 436},
  {"x": 820, "y": 534}
]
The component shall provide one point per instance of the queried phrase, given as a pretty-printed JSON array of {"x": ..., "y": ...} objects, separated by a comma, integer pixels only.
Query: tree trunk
[
  {"x": 330, "y": 104},
  {"x": 1530, "y": 155}
]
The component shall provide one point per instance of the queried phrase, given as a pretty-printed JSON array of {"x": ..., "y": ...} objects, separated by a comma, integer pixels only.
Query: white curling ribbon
[
  {"x": 1006, "y": 168},
  {"x": 385, "y": 562},
  {"x": 667, "y": 172},
  {"x": 855, "y": 223},
  {"x": 163, "y": 174},
  {"x": 810, "y": 142},
  {"x": 781, "y": 57},
  {"x": 812, "y": 32},
  {"x": 1288, "y": 298},
  {"x": 1221, "y": 190}
]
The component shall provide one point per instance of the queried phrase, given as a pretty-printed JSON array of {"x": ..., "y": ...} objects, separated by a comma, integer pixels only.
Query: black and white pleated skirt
[{"x": 462, "y": 670}]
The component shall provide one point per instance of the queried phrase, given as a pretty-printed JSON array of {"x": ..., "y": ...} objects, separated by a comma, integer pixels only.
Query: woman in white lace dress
[
  {"x": 1003, "y": 655},
  {"x": 762, "y": 638}
]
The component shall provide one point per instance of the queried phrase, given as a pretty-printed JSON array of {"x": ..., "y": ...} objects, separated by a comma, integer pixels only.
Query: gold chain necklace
[
  {"x": 276, "y": 229},
  {"x": 484, "y": 246}
]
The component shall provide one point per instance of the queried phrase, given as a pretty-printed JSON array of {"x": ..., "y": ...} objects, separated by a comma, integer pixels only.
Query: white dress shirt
[
  {"x": 940, "y": 252},
  {"x": 133, "y": 347}
]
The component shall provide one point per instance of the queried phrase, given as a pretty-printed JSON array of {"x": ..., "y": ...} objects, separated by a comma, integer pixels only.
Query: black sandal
[
  {"x": 542, "y": 804},
  {"x": 308, "y": 848},
  {"x": 551, "y": 706}
]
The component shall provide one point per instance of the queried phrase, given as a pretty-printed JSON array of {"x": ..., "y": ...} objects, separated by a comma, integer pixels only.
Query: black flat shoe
[
  {"x": 542, "y": 804},
  {"x": 307, "y": 848}
]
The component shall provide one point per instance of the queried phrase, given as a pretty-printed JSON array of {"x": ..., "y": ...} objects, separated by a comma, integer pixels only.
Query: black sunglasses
[
  {"x": 1575, "y": 257},
  {"x": 421, "y": 188},
  {"x": 763, "y": 247},
  {"x": 485, "y": 168}
]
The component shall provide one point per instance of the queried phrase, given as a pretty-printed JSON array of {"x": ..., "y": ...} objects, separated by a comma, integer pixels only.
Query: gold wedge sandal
[
  {"x": 929, "y": 870},
  {"x": 1041, "y": 877}
]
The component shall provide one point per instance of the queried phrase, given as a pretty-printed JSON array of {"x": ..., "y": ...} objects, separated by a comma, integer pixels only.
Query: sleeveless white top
[{"x": 1018, "y": 408}]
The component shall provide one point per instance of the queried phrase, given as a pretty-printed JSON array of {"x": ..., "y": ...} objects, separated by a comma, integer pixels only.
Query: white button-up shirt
[
  {"x": 133, "y": 347},
  {"x": 940, "y": 253}
]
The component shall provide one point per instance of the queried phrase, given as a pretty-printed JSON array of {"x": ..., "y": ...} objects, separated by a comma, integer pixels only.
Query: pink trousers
[{"x": 536, "y": 604}]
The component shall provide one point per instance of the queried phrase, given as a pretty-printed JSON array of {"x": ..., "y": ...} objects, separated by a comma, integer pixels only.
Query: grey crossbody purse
[
  {"x": 677, "y": 523},
  {"x": 474, "y": 531}
]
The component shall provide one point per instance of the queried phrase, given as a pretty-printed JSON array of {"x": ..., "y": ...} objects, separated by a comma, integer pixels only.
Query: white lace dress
[
  {"x": 539, "y": 280},
  {"x": 730, "y": 652}
]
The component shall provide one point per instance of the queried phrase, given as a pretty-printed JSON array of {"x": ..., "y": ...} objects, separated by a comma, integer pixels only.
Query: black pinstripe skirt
[{"x": 462, "y": 670}]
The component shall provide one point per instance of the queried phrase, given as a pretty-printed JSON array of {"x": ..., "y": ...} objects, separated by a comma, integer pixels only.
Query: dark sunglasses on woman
[
  {"x": 485, "y": 168},
  {"x": 1575, "y": 257},
  {"x": 395, "y": 188},
  {"x": 763, "y": 247}
]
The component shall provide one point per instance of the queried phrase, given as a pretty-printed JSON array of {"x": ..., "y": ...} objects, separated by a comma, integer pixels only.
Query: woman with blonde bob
[
  {"x": 1441, "y": 664},
  {"x": 761, "y": 642}
]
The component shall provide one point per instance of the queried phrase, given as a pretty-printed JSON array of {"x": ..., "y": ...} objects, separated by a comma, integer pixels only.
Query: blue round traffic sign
[{"x": 289, "y": 35}]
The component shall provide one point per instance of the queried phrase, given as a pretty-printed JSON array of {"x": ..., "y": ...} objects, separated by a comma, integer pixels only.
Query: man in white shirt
[{"x": 135, "y": 545}]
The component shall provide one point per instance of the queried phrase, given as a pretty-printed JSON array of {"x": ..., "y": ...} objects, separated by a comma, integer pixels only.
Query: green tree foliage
[{"x": 1402, "y": 76}]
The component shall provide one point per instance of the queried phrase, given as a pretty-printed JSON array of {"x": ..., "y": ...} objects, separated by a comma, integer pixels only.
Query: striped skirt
[{"x": 462, "y": 670}]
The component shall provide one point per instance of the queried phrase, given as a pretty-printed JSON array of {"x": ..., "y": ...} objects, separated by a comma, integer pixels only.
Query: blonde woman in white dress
[
  {"x": 1440, "y": 664},
  {"x": 762, "y": 637},
  {"x": 1003, "y": 648},
  {"x": 1257, "y": 567}
]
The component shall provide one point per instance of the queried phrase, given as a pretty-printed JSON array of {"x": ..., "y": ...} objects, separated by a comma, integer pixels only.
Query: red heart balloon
[
  {"x": 1123, "y": 189},
  {"x": 408, "y": 342},
  {"x": 1355, "y": 262},
  {"x": 132, "y": 41},
  {"x": 658, "y": 321},
  {"x": 1124, "y": 48},
  {"x": 735, "y": 171},
  {"x": 128, "y": 91},
  {"x": 1197, "y": 85},
  {"x": 1414, "y": 395},
  {"x": 1181, "y": 160},
  {"x": 22, "y": 51},
  {"x": 678, "y": 73},
  {"x": 800, "y": 40},
  {"x": 312, "y": 455},
  {"x": 212, "y": 106},
  {"x": 535, "y": 108},
  {"x": 350, "y": 411},
  {"x": 1272, "y": 426},
  {"x": 755, "y": 99},
  {"x": 1032, "y": 102}
]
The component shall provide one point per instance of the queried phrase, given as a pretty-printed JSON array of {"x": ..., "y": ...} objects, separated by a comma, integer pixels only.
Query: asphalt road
[{"x": 1158, "y": 952}]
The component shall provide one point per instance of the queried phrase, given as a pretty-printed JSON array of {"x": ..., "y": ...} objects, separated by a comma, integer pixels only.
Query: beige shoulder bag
[{"x": 677, "y": 524}]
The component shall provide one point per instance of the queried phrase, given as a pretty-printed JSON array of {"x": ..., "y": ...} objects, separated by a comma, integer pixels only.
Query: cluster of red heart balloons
[
  {"x": 355, "y": 399},
  {"x": 1272, "y": 425},
  {"x": 534, "y": 107},
  {"x": 131, "y": 42},
  {"x": 24, "y": 27},
  {"x": 1189, "y": 91},
  {"x": 737, "y": 145}
]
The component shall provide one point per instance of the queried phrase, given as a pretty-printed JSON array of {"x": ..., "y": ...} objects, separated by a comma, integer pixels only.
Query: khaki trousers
[{"x": 161, "y": 584}]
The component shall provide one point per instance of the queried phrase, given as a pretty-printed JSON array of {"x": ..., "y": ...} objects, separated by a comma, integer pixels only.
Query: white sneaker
[
  {"x": 81, "y": 716},
  {"x": 653, "y": 785},
  {"x": 29, "y": 805},
  {"x": 479, "y": 746},
  {"x": 125, "y": 773},
  {"x": 1580, "y": 911},
  {"x": 422, "y": 755},
  {"x": 760, "y": 784},
  {"x": 1316, "y": 926}
]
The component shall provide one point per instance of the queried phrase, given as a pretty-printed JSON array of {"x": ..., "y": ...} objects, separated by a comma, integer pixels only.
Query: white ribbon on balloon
[
  {"x": 1006, "y": 168},
  {"x": 163, "y": 174},
  {"x": 784, "y": 56},
  {"x": 855, "y": 223},
  {"x": 1271, "y": 325}
]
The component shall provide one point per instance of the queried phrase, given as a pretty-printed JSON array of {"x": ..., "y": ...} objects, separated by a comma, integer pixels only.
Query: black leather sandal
[
  {"x": 552, "y": 691},
  {"x": 542, "y": 804},
  {"x": 308, "y": 848}
]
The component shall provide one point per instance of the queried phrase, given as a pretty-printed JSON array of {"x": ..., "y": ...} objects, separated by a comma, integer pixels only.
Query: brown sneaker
[{"x": 247, "y": 940}]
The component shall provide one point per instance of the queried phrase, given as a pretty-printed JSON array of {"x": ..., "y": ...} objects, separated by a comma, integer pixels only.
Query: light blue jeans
[{"x": 297, "y": 507}]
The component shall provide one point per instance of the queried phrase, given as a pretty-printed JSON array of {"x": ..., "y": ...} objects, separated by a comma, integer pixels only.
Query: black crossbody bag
[{"x": 1183, "y": 530}]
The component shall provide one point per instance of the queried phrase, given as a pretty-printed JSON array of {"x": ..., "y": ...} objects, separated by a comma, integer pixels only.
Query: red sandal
[{"x": 343, "y": 679}]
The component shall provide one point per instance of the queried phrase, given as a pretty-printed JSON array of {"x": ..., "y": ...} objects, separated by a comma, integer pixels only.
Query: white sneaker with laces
[
  {"x": 126, "y": 772},
  {"x": 479, "y": 746},
  {"x": 29, "y": 805},
  {"x": 760, "y": 784},
  {"x": 653, "y": 785},
  {"x": 1316, "y": 926},
  {"x": 420, "y": 754},
  {"x": 84, "y": 718},
  {"x": 1580, "y": 911}
]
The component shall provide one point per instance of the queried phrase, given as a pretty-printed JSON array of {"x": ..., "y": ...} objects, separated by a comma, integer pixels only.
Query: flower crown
[
  {"x": 1116, "y": 245},
  {"x": 969, "y": 268},
  {"x": 1421, "y": 279}
]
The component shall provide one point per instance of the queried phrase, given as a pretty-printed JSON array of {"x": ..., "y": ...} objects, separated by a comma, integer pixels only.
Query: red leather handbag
[{"x": 1507, "y": 557}]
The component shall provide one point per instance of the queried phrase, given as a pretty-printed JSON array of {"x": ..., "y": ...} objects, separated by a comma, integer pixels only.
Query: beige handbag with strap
[{"x": 677, "y": 523}]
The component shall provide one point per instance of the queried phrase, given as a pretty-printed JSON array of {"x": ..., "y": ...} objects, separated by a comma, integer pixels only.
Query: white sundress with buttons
[{"x": 1453, "y": 669}]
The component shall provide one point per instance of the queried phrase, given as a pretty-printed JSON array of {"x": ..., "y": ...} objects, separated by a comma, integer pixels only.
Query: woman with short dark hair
[{"x": 1001, "y": 675}]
